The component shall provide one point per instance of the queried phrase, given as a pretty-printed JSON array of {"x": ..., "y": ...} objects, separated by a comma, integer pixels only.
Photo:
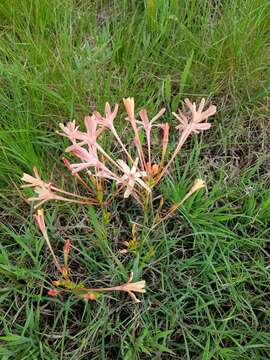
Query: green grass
[{"x": 207, "y": 269}]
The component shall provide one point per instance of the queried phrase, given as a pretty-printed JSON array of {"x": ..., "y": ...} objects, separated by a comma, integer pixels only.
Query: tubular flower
[
  {"x": 129, "y": 105},
  {"x": 33, "y": 181},
  {"x": 91, "y": 293},
  {"x": 165, "y": 141},
  {"x": 43, "y": 195},
  {"x": 46, "y": 191},
  {"x": 133, "y": 287}
]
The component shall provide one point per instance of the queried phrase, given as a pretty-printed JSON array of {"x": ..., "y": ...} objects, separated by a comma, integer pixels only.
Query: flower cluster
[{"x": 137, "y": 169}]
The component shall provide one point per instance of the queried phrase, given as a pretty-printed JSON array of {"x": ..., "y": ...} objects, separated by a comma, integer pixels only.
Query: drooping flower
[
  {"x": 46, "y": 191},
  {"x": 128, "y": 287},
  {"x": 42, "y": 189},
  {"x": 92, "y": 293},
  {"x": 132, "y": 176}
]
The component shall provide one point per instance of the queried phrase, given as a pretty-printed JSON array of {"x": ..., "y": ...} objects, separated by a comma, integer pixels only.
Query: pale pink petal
[
  {"x": 159, "y": 114},
  {"x": 129, "y": 105},
  {"x": 143, "y": 184},
  {"x": 190, "y": 106},
  {"x": 181, "y": 117},
  {"x": 107, "y": 109},
  {"x": 203, "y": 126},
  {"x": 209, "y": 112},
  {"x": 144, "y": 117},
  {"x": 127, "y": 193},
  {"x": 201, "y": 106},
  {"x": 79, "y": 152},
  {"x": 134, "y": 167},
  {"x": 123, "y": 165}
]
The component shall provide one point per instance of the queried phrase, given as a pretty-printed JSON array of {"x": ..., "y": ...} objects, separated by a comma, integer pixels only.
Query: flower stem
[
  {"x": 182, "y": 140},
  {"x": 121, "y": 143}
]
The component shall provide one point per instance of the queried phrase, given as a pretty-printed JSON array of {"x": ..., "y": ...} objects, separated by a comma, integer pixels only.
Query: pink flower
[
  {"x": 39, "y": 217},
  {"x": 42, "y": 189},
  {"x": 195, "y": 123},
  {"x": 129, "y": 105},
  {"x": 165, "y": 140},
  {"x": 67, "y": 247},
  {"x": 46, "y": 191},
  {"x": 189, "y": 126},
  {"x": 107, "y": 121},
  {"x": 132, "y": 176},
  {"x": 134, "y": 287},
  {"x": 72, "y": 132},
  {"x": 33, "y": 181},
  {"x": 43, "y": 195},
  {"x": 91, "y": 127},
  {"x": 129, "y": 287},
  {"x": 89, "y": 157},
  {"x": 107, "y": 174},
  {"x": 147, "y": 125},
  {"x": 90, "y": 137}
]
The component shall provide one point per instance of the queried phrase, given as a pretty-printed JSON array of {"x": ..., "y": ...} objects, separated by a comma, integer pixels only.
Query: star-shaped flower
[
  {"x": 132, "y": 176},
  {"x": 197, "y": 116},
  {"x": 107, "y": 120}
]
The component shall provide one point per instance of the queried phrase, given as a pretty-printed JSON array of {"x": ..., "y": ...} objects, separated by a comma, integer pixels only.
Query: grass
[{"x": 207, "y": 269}]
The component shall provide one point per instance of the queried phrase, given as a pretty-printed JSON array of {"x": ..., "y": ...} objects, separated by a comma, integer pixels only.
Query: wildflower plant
[{"x": 136, "y": 172}]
